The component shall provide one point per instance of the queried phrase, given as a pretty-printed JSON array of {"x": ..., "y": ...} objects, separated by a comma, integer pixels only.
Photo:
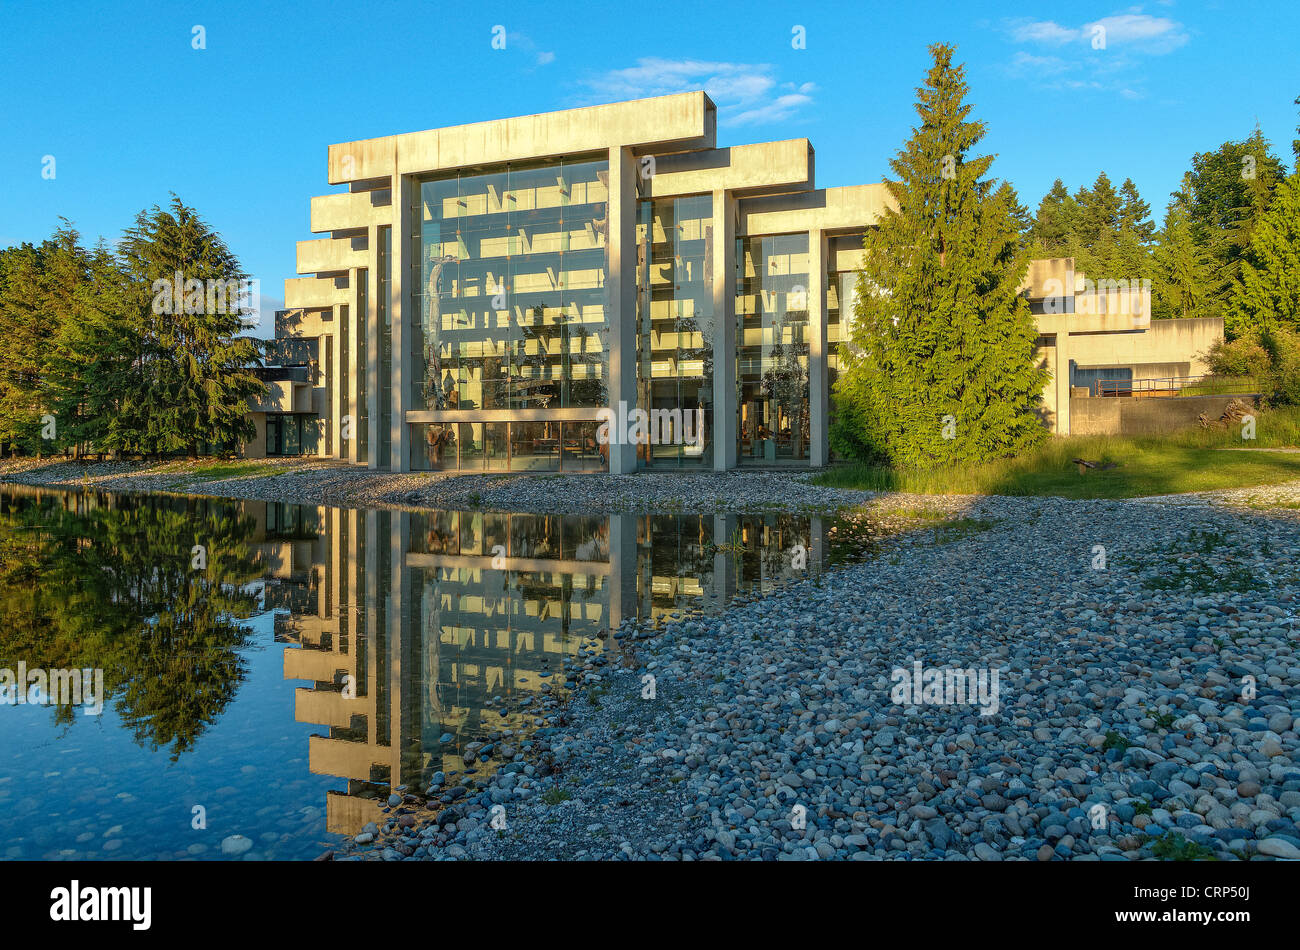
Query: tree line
[
  {"x": 939, "y": 363},
  {"x": 1201, "y": 258},
  {"x": 125, "y": 350}
]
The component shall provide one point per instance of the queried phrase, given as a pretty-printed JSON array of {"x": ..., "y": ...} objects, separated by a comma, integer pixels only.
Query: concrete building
[
  {"x": 405, "y": 627},
  {"x": 485, "y": 296},
  {"x": 1097, "y": 339}
]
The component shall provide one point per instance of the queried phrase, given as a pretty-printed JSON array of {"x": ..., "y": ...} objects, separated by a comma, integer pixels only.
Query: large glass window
[
  {"x": 772, "y": 287},
  {"x": 843, "y": 260},
  {"x": 675, "y": 329},
  {"x": 545, "y": 446},
  {"x": 292, "y": 434},
  {"x": 510, "y": 288}
]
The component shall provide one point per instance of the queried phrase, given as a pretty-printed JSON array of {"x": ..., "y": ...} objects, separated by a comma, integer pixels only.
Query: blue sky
[{"x": 131, "y": 111}]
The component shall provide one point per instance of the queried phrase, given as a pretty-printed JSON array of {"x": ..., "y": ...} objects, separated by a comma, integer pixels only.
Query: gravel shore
[
  {"x": 1140, "y": 659},
  {"x": 1147, "y": 708},
  {"x": 324, "y": 482}
]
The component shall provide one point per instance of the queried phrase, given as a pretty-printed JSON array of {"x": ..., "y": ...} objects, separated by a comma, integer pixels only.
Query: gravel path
[{"x": 1145, "y": 708}]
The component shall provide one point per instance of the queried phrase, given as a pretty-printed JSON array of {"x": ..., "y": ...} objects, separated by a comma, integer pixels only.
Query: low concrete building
[{"x": 1097, "y": 339}]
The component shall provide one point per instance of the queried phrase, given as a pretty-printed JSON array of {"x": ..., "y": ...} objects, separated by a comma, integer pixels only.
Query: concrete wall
[
  {"x": 1167, "y": 348},
  {"x": 1119, "y": 415}
]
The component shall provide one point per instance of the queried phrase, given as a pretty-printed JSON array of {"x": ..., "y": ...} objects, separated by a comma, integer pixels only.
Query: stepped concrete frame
[
  {"x": 487, "y": 296},
  {"x": 662, "y": 237}
]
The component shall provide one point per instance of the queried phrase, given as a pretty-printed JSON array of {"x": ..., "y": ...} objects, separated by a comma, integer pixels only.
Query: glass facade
[
  {"x": 843, "y": 256},
  {"x": 510, "y": 267},
  {"x": 295, "y": 433},
  {"x": 675, "y": 328},
  {"x": 772, "y": 287},
  {"x": 508, "y": 447}
]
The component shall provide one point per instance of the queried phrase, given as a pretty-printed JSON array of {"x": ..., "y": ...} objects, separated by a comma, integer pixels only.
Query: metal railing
[{"x": 1205, "y": 385}]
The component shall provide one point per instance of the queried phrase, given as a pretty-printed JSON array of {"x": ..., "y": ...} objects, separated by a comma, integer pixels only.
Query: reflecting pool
[{"x": 275, "y": 671}]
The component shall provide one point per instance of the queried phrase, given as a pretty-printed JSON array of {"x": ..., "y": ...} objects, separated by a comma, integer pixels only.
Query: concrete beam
[
  {"x": 829, "y": 209},
  {"x": 329, "y": 255},
  {"x": 768, "y": 167},
  {"x": 343, "y": 212},
  {"x": 316, "y": 292},
  {"x": 685, "y": 120}
]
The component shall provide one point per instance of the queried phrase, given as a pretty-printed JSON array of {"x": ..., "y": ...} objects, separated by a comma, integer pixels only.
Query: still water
[{"x": 275, "y": 671}]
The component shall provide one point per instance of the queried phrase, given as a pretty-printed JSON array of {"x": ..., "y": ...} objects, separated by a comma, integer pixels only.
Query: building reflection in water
[{"x": 413, "y": 626}]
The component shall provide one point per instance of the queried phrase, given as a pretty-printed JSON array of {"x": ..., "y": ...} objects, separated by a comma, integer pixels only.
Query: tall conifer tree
[
  {"x": 942, "y": 365},
  {"x": 195, "y": 365}
]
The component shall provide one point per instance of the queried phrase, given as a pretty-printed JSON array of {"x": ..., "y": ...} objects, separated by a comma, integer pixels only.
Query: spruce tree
[
  {"x": 1052, "y": 232},
  {"x": 93, "y": 373},
  {"x": 1266, "y": 295},
  {"x": 1184, "y": 269},
  {"x": 941, "y": 367},
  {"x": 20, "y": 348},
  {"x": 1230, "y": 188},
  {"x": 196, "y": 368}
]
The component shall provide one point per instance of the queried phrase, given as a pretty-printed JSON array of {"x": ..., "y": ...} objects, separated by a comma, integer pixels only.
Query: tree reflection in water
[{"x": 106, "y": 582}]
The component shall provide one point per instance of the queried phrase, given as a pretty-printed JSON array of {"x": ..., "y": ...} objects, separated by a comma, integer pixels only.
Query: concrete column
[
  {"x": 370, "y": 621},
  {"x": 622, "y": 569},
  {"x": 403, "y": 314},
  {"x": 724, "y": 562},
  {"x": 338, "y": 379},
  {"x": 399, "y": 540},
  {"x": 724, "y": 332},
  {"x": 348, "y": 385},
  {"x": 1063, "y": 379},
  {"x": 620, "y": 282},
  {"x": 818, "y": 377},
  {"x": 370, "y": 327}
]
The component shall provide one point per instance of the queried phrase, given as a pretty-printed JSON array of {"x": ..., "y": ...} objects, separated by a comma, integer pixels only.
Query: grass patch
[
  {"x": 553, "y": 796},
  {"x": 1189, "y": 568},
  {"x": 1115, "y": 741},
  {"x": 1172, "y": 846},
  {"x": 961, "y": 528},
  {"x": 1188, "y": 461},
  {"x": 224, "y": 468}
]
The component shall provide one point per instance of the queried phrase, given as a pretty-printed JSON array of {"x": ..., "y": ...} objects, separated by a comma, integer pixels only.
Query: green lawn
[{"x": 1188, "y": 461}]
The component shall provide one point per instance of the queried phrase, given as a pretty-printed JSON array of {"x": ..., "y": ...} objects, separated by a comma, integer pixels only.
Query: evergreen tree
[
  {"x": 37, "y": 297},
  {"x": 195, "y": 367},
  {"x": 1295, "y": 142},
  {"x": 91, "y": 375},
  {"x": 1134, "y": 213},
  {"x": 1184, "y": 269},
  {"x": 1266, "y": 295},
  {"x": 1132, "y": 260},
  {"x": 1230, "y": 188},
  {"x": 1052, "y": 231},
  {"x": 1096, "y": 240},
  {"x": 942, "y": 368}
]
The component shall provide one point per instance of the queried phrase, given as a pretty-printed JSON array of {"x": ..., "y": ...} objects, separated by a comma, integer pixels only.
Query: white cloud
[
  {"x": 745, "y": 93},
  {"x": 525, "y": 42},
  {"x": 1104, "y": 55},
  {"x": 1137, "y": 31}
]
